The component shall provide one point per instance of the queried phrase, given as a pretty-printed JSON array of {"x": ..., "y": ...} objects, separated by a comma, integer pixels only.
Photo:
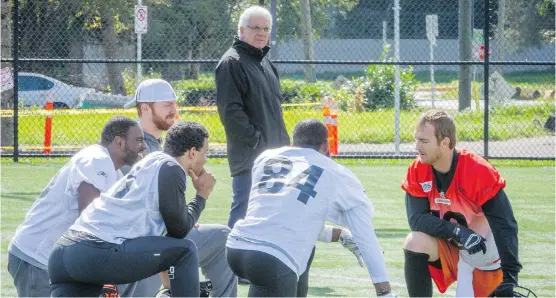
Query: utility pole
[{"x": 465, "y": 53}]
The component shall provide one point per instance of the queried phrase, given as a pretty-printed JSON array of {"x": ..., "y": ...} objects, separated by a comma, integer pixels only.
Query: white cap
[{"x": 152, "y": 90}]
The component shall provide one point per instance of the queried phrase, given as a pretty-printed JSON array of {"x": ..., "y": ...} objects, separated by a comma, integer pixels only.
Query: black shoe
[
  {"x": 243, "y": 281},
  {"x": 163, "y": 293},
  {"x": 205, "y": 286}
]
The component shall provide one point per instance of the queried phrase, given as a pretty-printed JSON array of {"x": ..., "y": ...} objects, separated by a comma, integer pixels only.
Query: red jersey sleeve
[
  {"x": 411, "y": 182},
  {"x": 487, "y": 180}
]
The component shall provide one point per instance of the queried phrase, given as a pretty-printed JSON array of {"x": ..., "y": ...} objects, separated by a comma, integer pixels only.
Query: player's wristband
[{"x": 325, "y": 234}]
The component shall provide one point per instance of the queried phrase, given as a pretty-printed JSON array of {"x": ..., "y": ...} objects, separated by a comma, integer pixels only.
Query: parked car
[{"x": 36, "y": 90}]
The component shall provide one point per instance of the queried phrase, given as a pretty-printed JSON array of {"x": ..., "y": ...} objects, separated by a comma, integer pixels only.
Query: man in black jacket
[{"x": 248, "y": 100}]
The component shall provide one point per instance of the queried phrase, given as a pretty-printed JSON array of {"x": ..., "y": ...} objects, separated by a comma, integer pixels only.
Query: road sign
[{"x": 141, "y": 19}]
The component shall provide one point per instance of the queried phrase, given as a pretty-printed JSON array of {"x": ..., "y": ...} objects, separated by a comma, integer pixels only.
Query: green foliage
[
  {"x": 355, "y": 127},
  {"x": 289, "y": 19},
  {"x": 380, "y": 85},
  {"x": 298, "y": 91},
  {"x": 376, "y": 89},
  {"x": 528, "y": 23},
  {"x": 130, "y": 79}
]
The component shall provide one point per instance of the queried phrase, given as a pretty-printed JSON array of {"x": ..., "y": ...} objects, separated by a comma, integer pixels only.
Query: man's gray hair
[{"x": 250, "y": 12}]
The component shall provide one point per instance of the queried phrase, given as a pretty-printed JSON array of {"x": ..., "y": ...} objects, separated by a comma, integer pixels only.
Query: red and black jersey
[{"x": 475, "y": 181}]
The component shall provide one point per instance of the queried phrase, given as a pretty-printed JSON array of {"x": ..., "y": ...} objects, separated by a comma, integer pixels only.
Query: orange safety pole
[
  {"x": 328, "y": 121},
  {"x": 48, "y": 128},
  {"x": 333, "y": 132}
]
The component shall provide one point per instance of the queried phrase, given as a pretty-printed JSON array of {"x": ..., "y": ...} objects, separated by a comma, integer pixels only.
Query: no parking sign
[{"x": 141, "y": 19}]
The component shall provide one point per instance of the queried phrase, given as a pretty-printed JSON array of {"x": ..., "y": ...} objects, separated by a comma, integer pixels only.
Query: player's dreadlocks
[
  {"x": 183, "y": 136},
  {"x": 310, "y": 133},
  {"x": 116, "y": 126}
]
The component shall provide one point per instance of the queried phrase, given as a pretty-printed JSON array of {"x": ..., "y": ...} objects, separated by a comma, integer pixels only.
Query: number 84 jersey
[{"x": 294, "y": 191}]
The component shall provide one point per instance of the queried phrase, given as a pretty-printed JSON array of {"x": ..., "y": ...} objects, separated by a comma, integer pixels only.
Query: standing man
[
  {"x": 295, "y": 190},
  {"x": 248, "y": 100},
  {"x": 462, "y": 224},
  {"x": 137, "y": 228},
  {"x": 155, "y": 100},
  {"x": 88, "y": 173}
]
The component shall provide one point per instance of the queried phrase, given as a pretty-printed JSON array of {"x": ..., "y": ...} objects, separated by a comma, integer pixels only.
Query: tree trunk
[
  {"x": 76, "y": 69},
  {"x": 195, "y": 69},
  {"x": 110, "y": 42},
  {"x": 307, "y": 36},
  {"x": 173, "y": 71},
  {"x": 6, "y": 123}
]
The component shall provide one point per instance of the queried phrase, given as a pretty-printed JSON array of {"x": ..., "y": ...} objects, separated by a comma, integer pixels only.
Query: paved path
[{"x": 528, "y": 147}]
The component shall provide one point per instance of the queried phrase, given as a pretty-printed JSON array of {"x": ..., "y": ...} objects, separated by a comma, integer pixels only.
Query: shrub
[
  {"x": 376, "y": 89},
  {"x": 381, "y": 84}
]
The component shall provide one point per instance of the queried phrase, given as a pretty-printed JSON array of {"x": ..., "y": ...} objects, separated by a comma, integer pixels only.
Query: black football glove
[
  {"x": 469, "y": 240},
  {"x": 506, "y": 288}
]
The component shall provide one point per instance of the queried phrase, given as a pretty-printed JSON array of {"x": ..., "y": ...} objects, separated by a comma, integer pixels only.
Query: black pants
[
  {"x": 269, "y": 276},
  {"x": 80, "y": 266}
]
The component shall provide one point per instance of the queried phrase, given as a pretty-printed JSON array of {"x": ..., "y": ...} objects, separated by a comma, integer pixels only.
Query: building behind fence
[{"x": 83, "y": 56}]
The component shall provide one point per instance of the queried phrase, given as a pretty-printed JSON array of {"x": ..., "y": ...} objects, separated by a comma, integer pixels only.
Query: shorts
[{"x": 484, "y": 281}]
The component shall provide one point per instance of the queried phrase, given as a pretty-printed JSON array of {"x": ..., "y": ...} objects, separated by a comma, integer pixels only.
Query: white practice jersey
[
  {"x": 130, "y": 208},
  {"x": 294, "y": 191},
  {"x": 56, "y": 209}
]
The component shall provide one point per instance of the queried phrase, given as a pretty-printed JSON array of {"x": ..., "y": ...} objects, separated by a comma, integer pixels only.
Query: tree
[
  {"x": 289, "y": 16},
  {"x": 60, "y": 28},
  {"x": 111, "y": 46},
  {"x": 528, "y": 23},
  {"x": 110, "y": 22},
  {"x": 6, "y": 123},
  {"x": 188, "y": 30}
]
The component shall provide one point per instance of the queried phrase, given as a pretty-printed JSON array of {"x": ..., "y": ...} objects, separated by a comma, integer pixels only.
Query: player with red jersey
[{"x": 462, "y": 223}]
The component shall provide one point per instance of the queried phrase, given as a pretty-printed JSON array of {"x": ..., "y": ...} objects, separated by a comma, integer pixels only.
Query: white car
[{"x": 36, "y": 90}]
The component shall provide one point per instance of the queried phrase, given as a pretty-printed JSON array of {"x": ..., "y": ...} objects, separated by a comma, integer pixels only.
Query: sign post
[
  {"x": 432, "y": 33},
  {"x": 141, "y": 25},
  {"x": 6, "y": 78}
]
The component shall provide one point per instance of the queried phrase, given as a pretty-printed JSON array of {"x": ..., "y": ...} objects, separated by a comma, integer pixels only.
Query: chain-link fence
[{"x": 83, "y": 56}]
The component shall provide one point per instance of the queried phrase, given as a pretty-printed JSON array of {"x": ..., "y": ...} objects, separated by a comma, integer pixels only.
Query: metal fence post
[
  {"x": 15, "y": 56},
  {"x": 486, "y": 30}
]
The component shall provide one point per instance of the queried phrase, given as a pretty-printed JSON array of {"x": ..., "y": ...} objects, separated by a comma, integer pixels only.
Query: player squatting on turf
[
  {"x": 121, "y": 236},
  {"x": 295, "y": 190},
  {"x": 92, "y": 170},
  {"x": 155, "y": 101},
  {"x": 462, "y": 223}
]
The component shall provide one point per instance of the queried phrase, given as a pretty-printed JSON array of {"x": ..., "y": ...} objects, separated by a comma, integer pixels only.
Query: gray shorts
[{"x": 30, "y": 281}]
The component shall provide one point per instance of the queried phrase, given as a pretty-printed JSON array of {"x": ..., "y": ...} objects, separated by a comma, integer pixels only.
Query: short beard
[
  {"x": 130, "y": 157},
  {"x": 434, "y": 159},
  {"x": 160, "y": 122}
]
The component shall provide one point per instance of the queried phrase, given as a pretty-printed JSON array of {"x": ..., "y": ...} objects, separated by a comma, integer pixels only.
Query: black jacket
[{"x": 248, "y": 100}]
